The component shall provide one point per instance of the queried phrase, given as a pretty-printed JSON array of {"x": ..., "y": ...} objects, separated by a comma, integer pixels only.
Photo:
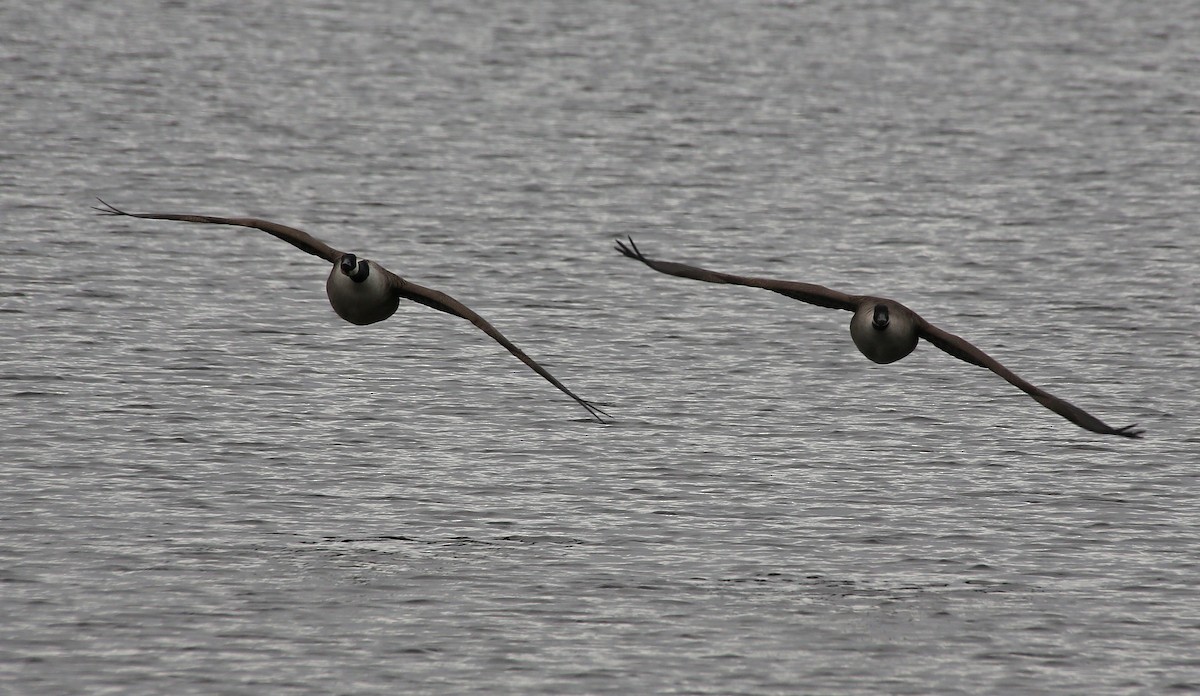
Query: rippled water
[{"x": 212, "y": 485}]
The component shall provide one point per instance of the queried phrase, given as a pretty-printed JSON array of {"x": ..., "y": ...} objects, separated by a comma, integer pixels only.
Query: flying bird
[
  {"x": 885, "y": 331},
  {"x": 362, "y": 291}
]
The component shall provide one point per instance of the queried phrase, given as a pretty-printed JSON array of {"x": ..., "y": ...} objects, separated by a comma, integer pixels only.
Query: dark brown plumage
[
  {"x": 885, "y": 331},
  {"x": 362, "y": 291}
]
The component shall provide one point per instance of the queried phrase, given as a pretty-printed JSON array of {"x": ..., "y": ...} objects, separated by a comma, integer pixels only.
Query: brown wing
[
  {"x": 805, "y": 292},
  {"x": 297, "y": 238},
  {"x": 444, "y": 303},
  {"x": 964, "y": 350}
]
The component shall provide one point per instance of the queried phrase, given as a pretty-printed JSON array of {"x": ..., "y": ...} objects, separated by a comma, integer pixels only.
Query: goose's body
[
  {"x": 366, "y": 300},
  {"x": 364, "y": 292},
  {"x": 886, "y": 331},
  {"x": 883, "y": 330}
]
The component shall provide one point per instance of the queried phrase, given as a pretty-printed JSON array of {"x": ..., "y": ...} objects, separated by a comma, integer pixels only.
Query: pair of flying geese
[{"x": 363, "y": 292}]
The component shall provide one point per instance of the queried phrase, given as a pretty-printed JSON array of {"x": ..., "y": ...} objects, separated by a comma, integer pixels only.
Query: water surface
[{"x": 213, "y": 485}]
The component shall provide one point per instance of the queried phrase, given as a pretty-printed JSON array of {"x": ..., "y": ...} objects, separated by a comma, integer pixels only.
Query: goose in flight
[
  {"x": 363, "y": 292},
  {"x": 885, "y": 331}
]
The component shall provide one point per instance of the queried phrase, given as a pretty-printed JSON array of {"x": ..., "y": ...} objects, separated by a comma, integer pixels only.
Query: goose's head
[
  {"x": 354, "y": 268},
  {"x": 880, "y": 321}
]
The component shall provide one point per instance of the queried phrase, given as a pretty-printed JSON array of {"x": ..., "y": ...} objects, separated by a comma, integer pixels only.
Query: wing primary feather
[
  {"x": 297, "y": 238},
  {"x": 444, "y": 303},
  {"x": 805, "y": 292},
  {"x": 965, "y": 350}
]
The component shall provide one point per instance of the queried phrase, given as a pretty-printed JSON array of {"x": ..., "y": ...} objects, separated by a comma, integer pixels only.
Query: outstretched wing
[
  {"x": 964, "y": 350},
  {"x": 805, "y": 292},
  {"x": 297, "y": 238},
  {"x": 444, "y": 303}
]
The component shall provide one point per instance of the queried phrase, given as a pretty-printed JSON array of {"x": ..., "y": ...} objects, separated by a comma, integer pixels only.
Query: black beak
[
  {"x": 880, "y": 320},
  {"x": 348, "y": 263}
]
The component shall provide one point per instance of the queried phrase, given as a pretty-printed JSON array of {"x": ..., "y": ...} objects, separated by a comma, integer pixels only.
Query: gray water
[{"x": 211, "y": 484}]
